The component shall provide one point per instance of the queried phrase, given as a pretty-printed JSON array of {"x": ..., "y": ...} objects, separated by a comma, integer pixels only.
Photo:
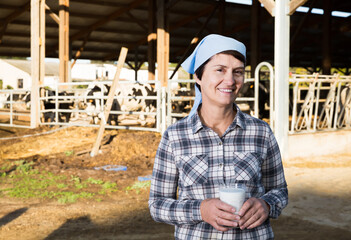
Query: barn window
[
  {"x": 106, "y": 74},
  {"x": 20, "y": 83},
  {"x": 1, "y": 84}
]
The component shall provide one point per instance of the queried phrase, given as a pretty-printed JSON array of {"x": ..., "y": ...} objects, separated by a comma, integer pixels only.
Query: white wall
[
  {"x": 10, "y": 75},
  {"x": 319, "y": 143}
]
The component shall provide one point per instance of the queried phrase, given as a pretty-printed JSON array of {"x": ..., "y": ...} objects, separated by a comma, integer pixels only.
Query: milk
[{"x": 232, "y": 195}]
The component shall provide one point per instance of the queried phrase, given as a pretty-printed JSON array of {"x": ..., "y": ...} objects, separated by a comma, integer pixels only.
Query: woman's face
[{"x": 221, "y": 80}]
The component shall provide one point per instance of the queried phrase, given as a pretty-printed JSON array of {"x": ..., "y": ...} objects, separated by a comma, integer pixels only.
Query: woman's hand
[
  {"x": 253, "y": 213},
  {"x": 219, "y": 214}
]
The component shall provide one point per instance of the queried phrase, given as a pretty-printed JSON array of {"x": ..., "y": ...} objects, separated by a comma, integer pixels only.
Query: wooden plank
[
  {"x": 41, "y": 42},
  {"x": 63, "y": 40},
  {"x": 294, "y": 4},
  {"x": 52, "y": 14},
  {"x": 161, "y": 41},
  {"x": 35, "y": 59},
  {"x": 269, "y": 5},
  {"x": 120, "y": 63}
]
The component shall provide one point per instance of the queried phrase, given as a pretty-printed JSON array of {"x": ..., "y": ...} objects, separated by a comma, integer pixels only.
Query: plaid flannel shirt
[{"x": 191, "y": 163}]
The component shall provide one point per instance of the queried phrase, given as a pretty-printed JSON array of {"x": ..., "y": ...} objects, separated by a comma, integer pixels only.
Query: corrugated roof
[
  {"x": 107, "y": 25},
  {"x": 51, "y": 68}
]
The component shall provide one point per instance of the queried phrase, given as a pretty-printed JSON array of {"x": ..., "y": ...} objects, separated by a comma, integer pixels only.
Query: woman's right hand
[{"x": 219, "y": 214}]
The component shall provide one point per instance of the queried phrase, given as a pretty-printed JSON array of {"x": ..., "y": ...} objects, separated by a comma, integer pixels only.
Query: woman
[{"x": 217, "y": 144}]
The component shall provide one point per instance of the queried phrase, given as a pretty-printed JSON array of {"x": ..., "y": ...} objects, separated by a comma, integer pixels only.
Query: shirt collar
[{"x": 239, "y": 121}]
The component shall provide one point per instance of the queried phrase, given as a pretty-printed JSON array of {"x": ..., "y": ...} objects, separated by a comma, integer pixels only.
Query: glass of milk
[{"x": 233, "y": 194}]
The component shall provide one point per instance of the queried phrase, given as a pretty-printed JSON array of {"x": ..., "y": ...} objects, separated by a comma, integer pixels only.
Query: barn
[
  {"x": 166, "y": 31},
  {"x": 73, "y": 178}
]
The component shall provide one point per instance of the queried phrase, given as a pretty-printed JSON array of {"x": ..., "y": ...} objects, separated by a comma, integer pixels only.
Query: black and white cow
[
  {"x": 63, "y": 104},
  {"x": 95, "y": 102},
  {"x": 96, "y": 99},
  {"x": 20, "y": 101}
]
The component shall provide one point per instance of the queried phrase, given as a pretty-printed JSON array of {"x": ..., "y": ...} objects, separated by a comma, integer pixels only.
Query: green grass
[
  {"x": 138, "y": 186},
  {"x": 25, "y": 182}
]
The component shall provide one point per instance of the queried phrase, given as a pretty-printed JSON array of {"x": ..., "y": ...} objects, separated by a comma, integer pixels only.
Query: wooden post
[
  {"x": 42, "y": 42},
  {"x": 151, "y": 39},
  {"x": 162, "y": 44},
  {"x": 111, "y": 94},
  {"x": 64, "y": 39},
  {"x": 37, "y": 56}
]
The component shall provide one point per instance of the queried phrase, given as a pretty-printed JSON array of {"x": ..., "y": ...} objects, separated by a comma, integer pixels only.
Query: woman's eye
[
  {"x": 239, "y": 73},
  {"x": 219, "y": 70}
]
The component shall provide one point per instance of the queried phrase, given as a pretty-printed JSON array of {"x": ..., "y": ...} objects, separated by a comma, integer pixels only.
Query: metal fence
[
  {"x": 181, "y": 93},
  {"x": 14, "y": 109},
  {"x": 320, "y": 102},
  {"x": 83, "y": 117},
  {"x": 317, "y": 103}
]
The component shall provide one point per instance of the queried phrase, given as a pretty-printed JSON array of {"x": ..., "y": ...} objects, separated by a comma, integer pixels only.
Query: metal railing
[
  {"x": 81, "y": 116},
  {"x": 320, "y": 102},
  {"x": 14, "y": 112}
]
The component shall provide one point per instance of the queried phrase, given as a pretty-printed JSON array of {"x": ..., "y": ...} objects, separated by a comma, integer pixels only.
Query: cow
[
  {"x": 20, "y": 101},
  {"x": 96, "y": 99},
  {"x": 124, "y": 100},
  {"x": 63, "y": 104},
  {"x": 3, "y": 99}
]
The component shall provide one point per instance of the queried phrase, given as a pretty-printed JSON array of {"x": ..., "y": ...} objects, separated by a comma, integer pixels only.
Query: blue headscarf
[{"x": 209, "y": 46}]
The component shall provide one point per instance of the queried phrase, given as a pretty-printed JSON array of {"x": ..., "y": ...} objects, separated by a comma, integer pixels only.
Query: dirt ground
[{"x": 319, "y": 189}]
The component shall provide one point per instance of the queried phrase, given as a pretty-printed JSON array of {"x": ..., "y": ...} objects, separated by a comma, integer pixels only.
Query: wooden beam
[
  {"x": 195, "y": 40},
  {"x": 294, "y": 4},
  {"x": 107, "y": 19},
  {"x": 189, "y": 19},
  {"x": 37, "y": 14},
  {"x": 109, "y": 101},
  {"x": 52, "y": 14},
  {"x": 64, "y": 40},
  {"x": 161, "y": 41},
  {"x": 269, "y": 5},
  {"x": 175, "y": 26},
  {"x": 79, "y": 52}
]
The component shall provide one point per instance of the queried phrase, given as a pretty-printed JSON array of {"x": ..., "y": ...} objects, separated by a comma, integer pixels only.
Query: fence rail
[
  {"x": 320, "y": 103},
  {"x": 14, "y": 108},
  {"x": 317, "y": 103}
]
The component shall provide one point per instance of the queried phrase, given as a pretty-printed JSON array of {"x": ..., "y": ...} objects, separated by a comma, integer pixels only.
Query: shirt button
[
  {"x": 219, "y": 143},
  {"x": 221, "y": 165}
]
